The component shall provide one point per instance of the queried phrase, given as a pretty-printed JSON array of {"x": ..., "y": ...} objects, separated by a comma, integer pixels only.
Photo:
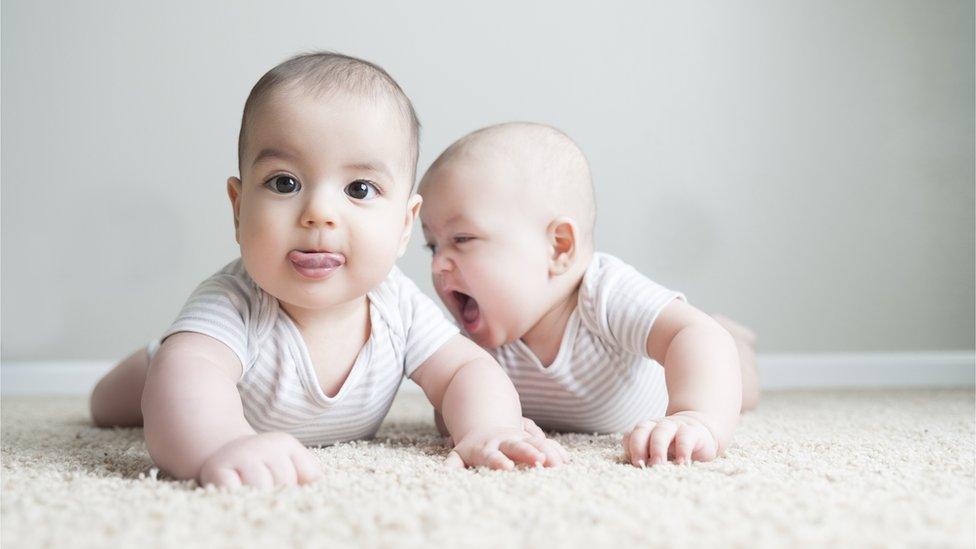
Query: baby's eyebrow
[
  {"x": 375, "y": 167},
  {"x": 272, "y": 153},
  {"x": 455, "y": 219},
  {"x": 370, "y": 166}
]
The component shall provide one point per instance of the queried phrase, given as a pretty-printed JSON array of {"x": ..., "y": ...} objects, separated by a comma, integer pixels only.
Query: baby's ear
[
  {"x": 413, "y": 209},
  {"x": 234, "y": 193},
  {"x": 562, "y": 238}
]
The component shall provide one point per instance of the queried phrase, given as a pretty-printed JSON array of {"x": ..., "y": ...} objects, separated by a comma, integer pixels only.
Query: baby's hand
[
  {"x": 264, "y": 460},
  {"x": 533, "y": 430},
  {"x": 680, "y": 436},
  {"x": 503, "y": 447},
  {"x": 528, "y": 426}
]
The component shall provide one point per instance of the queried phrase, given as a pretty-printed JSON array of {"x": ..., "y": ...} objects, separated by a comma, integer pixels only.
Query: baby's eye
[
  {"x": 283, "y": 184},
  {"x": 362, "y": 190},
  {"x": 431, "y": 247},
  {"x": 462, "y": 239}
]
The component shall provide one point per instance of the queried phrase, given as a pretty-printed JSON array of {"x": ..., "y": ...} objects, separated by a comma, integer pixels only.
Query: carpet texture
[{"x": 810, "y": 468}]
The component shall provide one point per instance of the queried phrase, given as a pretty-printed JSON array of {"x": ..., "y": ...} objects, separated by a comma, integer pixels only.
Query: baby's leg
[
  {"x": 745, "y": 342},
  {"x": 117, "y": 399},
  {"x": 439, "y": 422}
]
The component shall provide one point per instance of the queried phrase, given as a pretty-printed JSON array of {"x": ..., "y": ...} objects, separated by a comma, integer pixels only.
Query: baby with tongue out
[
  {"x": 591, "y": 344},
  {"x": 306, "y": 337}
]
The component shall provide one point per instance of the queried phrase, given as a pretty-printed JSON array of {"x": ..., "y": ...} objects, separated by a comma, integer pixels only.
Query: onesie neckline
[
  {"x": 565, "y": 347},
  {"x": 306, "y": 370}
]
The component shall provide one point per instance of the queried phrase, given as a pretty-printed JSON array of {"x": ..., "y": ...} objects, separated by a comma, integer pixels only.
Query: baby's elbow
[
  {"x": 108, "y": 410},
  {"x": 171, "y": 462},
  {"x": 719, "y": 338},
  {"x": 96, "y": 409},
  {"x": 750, "y": 399}
]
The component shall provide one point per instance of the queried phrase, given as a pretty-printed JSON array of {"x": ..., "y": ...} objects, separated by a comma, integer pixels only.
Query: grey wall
[{"x": 806, "y": 167}]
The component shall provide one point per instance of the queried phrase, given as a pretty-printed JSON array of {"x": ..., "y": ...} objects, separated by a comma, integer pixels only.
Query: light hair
[
  {"x": 552, "y": 162},
  {"x": 325, "y": 72}
]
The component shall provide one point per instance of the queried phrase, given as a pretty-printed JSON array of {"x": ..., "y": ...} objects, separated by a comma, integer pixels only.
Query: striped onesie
[
  {"x": 602, "y": 379},
  {"x": 278, "y": 386}
]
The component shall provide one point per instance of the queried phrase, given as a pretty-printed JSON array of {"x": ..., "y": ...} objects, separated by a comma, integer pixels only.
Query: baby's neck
[
  {"x": 546, "y": 336},
  {"x": 339, "y": 318}
]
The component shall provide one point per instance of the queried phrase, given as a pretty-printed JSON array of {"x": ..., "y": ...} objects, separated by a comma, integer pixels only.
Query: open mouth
[
  {"x": 315, "y": 264},
  {"x": 469, "y": 311}
]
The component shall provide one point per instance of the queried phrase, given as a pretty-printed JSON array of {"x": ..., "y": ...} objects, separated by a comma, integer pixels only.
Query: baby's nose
[
  {"x": 320, "y": 211},
  {"x": 440, "y": 264},
  {"x": 317, "y": 221}
]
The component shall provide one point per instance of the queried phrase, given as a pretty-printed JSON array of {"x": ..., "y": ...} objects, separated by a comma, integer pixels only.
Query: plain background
[{"x": 805, "y": 167}]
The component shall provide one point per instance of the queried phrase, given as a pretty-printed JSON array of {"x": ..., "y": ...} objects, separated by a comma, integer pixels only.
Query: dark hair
[{"x": 324, "y": 72}]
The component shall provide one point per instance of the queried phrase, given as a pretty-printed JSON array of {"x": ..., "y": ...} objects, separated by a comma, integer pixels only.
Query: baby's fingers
[
  {"x": 532, "y": 429},
  {"x": 636, "y": 443},
  {"x": 307, "y": 470},
  {"x": 563, "y": 452},
  {"x": 707, "y": 448},
  {"x": 660, "y": 440},
  {"x": 559, "y": 448},
  {"x": 520, "y": 451},
  {"x": 554, "y": 453},
  {"x": 497, "y": 460},
  {"x": 282, "y": 471},
  {"x": 454, "y": 460},
  {"x": 221, "y": 478},
  {"x": 256, "y": 473},
  {"x": 686, "y": 439},
  {"x": 693, "y": 442}
]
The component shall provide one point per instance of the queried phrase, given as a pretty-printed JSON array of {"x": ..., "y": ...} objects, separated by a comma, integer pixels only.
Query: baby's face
[
  {"x": 488, "y": 239},
  {"x": 323, "y": 208}
]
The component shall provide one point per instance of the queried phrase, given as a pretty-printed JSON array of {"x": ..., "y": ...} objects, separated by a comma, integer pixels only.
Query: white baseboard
[
  {"x": 776, "y": 371},
  {"x": 866, "y": 370}
]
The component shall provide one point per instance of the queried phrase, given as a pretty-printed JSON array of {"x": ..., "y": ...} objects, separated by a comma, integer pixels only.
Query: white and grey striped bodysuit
[
  {"x": 278, "y": 385},
  {"x": 602, "y": 379}
]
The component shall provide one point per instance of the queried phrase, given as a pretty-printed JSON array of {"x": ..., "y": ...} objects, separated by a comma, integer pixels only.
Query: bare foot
[{"x": 745, "y": 343}]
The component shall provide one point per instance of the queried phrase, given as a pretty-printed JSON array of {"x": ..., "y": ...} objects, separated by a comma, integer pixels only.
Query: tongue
[
  {"x": 316, "y": 260},
  {"x": 470, "y": 311}
]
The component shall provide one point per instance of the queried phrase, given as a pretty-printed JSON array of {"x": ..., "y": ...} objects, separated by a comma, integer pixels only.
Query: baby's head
[
  {"x": 327, "y": 157},
  {"x": 509, "y": 213}
]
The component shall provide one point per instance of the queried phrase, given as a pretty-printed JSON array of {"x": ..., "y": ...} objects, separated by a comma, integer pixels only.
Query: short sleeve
[
  {"x": 223, "y": 307},
  {"x": 426, "y": 329},
  {"x": 620, "y": 304}
]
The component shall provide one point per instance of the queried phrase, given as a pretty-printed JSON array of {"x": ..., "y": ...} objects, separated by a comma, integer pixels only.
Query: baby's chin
[{"x": 487, "y": 338}]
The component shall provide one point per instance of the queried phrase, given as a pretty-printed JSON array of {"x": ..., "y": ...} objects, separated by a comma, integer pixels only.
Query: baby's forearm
[
  {"x": 480, "y": 395},
  {"x": 190, "y": 411},
  {"x": 702, "y": 372}
]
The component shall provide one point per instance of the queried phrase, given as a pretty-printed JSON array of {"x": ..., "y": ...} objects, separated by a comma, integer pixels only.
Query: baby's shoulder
[
  {"x": 388, "y": 292},
  {"x": 232, "y": 280},
  {"x": 232, "y": 288},
  {"x": 611, "y": 286},
  {"x": 403, "y": 305},
  {"x": 603, "y": 274},
  {"x": 388, "y": 298}
]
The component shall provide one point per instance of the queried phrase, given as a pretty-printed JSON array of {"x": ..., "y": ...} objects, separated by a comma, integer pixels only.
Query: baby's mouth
[
  {"x": 315, "y": 264},
  {"x": 469, "y": 311}
]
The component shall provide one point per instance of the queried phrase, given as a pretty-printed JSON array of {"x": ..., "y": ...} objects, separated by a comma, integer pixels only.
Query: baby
[
  {"x": 306, "y": 337},
  {"x": 508, "y": 215}
]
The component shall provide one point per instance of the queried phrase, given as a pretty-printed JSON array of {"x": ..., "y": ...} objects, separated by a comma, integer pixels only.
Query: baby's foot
[
  {"x": 738, "y": 331},
  {"x": 745, "y": 344}
]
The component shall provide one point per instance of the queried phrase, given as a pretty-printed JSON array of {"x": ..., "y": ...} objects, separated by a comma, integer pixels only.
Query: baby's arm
[
  {"x": 528, "y": 426},
  {"x": 194, "y": 421},
  {"x": 481, "y": 409},
  {"x": 701, "y": 369}
]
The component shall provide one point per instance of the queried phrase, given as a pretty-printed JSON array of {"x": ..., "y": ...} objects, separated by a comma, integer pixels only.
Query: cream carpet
[{"x": 848, "y": 468}]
